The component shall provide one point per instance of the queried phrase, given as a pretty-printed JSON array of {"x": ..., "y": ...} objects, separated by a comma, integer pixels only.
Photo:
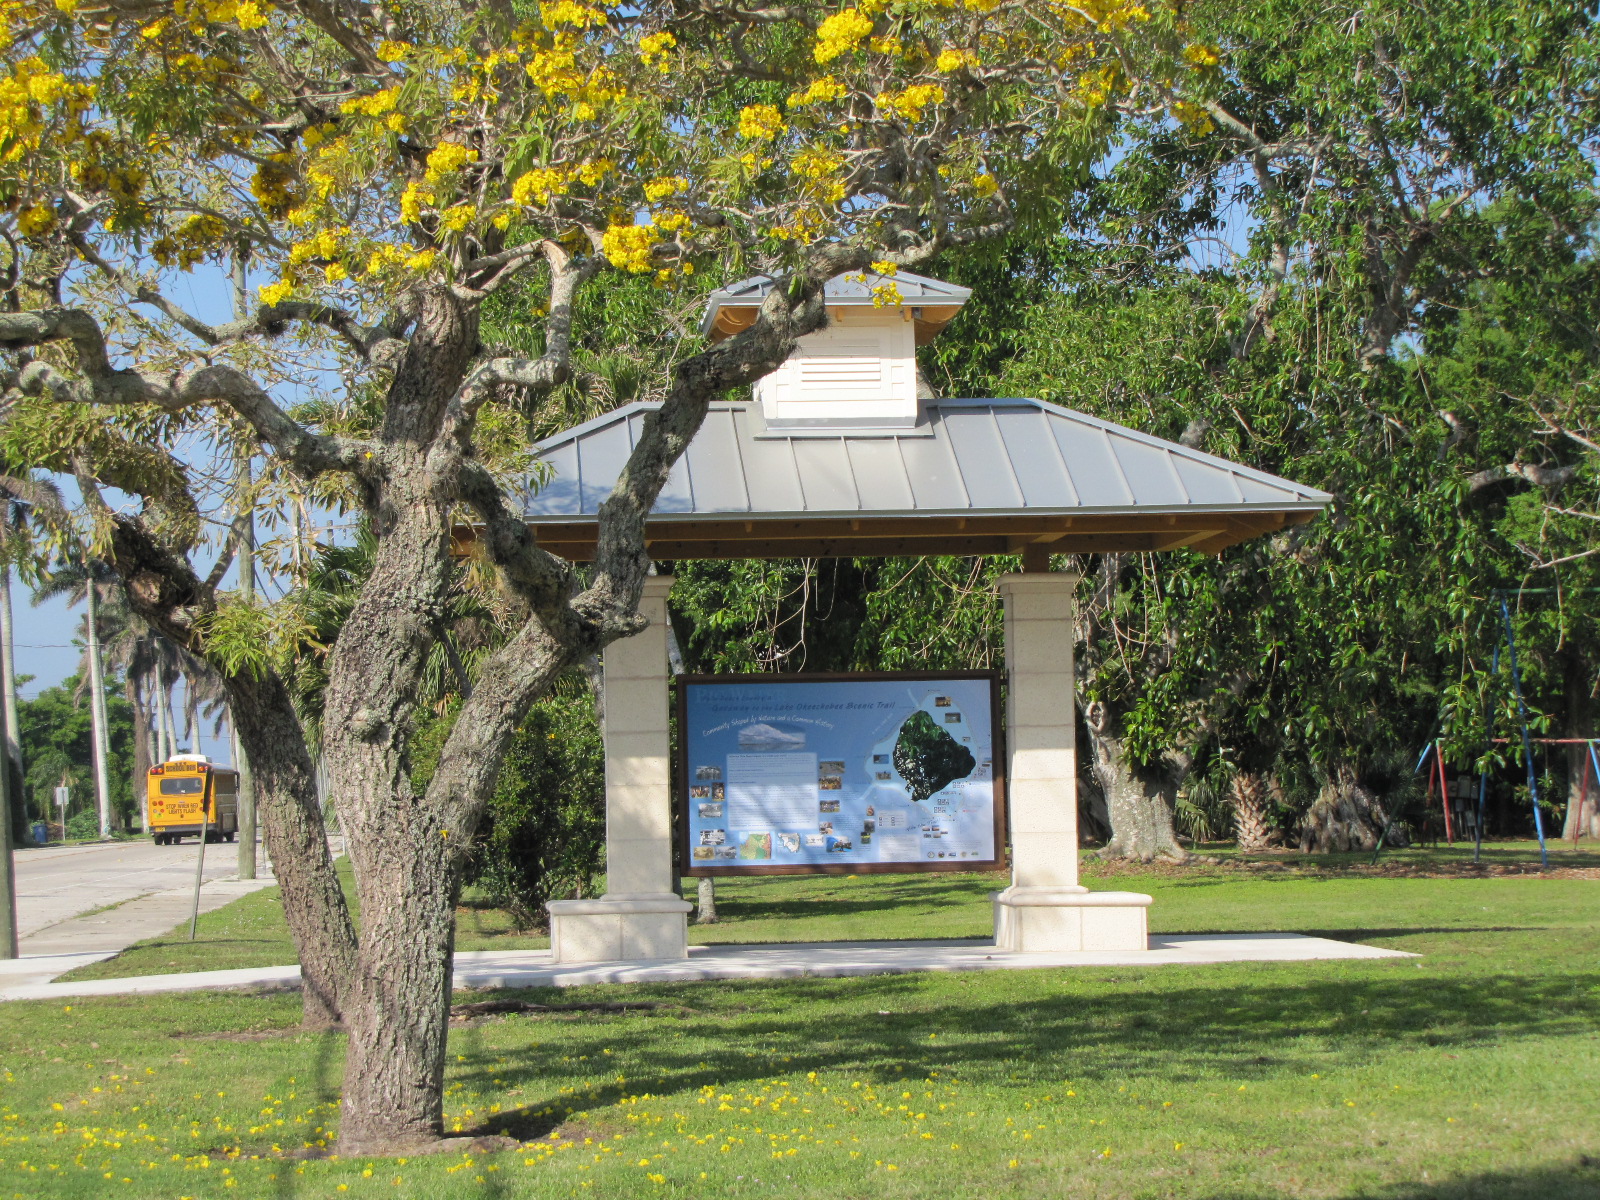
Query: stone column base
[
  {"x": 1055, "y": 920},
  {"x": 621, "y": 930}
]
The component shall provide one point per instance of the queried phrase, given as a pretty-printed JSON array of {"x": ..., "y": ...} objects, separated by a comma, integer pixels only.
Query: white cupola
[{"x": 858, "y": 372}]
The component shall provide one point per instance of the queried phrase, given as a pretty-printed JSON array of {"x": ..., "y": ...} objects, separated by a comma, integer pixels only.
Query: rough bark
[
  {"x": 1139, "y": 799},
  {"x": 1252, "y": 828},
  {"x": 1344, "y": 816},
  {"x": 141, "y": 748},
  {"x": 162, "y": 589},
  {"x": 705, "y": 912}
]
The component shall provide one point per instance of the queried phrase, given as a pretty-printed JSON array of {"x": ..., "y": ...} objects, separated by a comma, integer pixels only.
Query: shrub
[{"x": 544, "y": 834}]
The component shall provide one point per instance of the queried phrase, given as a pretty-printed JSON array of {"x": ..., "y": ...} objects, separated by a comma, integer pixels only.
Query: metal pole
[
  {"x": 1527, "y": 744},
  {"x": 200, "y": 863},
  {"x": 1389, "y": 820},
  {"x": 97, "y": 706},
  {"x": 8, "y": 872}
]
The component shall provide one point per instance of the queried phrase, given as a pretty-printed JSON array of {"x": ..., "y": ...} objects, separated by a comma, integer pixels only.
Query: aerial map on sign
[{"x": 875, "y": 773}]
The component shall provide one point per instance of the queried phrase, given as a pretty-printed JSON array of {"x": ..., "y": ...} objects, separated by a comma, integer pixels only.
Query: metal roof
[
  {"x": 970, "y": 469},
  {"x": 840, "y": 291}
]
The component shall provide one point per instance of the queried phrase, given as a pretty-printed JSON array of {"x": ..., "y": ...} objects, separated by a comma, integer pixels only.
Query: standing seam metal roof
[{"x": 964, "y": 458}]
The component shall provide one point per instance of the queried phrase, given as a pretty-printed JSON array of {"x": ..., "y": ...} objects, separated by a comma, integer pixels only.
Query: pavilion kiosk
[{"x": 839, "y": 455}]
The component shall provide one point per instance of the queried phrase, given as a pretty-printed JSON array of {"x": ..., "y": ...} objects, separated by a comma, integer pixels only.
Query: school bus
[{"x": 182, "y": 790}]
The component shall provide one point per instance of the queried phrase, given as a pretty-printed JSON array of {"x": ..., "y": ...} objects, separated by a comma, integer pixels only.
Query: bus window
[{"x": 178, "y": 785}]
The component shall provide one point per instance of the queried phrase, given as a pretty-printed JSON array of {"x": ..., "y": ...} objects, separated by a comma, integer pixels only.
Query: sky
[{"x": 44, "y": 634}]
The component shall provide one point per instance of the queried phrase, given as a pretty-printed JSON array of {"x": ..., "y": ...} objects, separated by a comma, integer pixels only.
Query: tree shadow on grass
[
  {"x": 1578, "y": 1180},
  {"x": 878, "y": 1027},
  {"x": 904, "y": 899}
]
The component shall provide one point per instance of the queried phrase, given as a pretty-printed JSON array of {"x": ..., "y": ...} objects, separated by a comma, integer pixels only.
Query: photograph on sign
[{"x": 798, "y": 774}]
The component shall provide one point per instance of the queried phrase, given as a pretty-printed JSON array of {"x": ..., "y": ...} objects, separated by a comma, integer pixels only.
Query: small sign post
[
  {"x": 200, "y": 862},
  {"x": 63, "y": 794}
]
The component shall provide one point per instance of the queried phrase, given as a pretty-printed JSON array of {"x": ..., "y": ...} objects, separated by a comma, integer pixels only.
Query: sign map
[{"x": 802, "y": 774}]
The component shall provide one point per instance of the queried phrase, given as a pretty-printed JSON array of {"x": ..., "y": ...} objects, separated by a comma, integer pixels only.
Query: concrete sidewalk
[
  {"x": 533, "y": 968},
  {"x": 92, "y": 936}
]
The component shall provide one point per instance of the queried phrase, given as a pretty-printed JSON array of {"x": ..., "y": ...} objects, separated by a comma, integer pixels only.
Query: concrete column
[
  {"x": 640, "y": 916},
  {"x": 1045, "y": 909}
]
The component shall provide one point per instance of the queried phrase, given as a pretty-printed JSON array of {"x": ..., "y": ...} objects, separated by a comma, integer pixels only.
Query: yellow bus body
[{"x": 185, "y": 795}]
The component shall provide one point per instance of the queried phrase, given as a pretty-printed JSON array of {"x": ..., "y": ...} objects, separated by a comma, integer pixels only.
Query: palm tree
[
  {"x": 94, "y": 583},
  {"x": 21, "y": 496}
]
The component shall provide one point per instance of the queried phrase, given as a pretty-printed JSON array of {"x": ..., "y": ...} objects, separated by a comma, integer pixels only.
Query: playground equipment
[{"x": 1436, "y": 773}]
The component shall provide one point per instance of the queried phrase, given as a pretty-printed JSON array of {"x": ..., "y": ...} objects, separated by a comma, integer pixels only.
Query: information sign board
[{"x": 841, "y": 774}]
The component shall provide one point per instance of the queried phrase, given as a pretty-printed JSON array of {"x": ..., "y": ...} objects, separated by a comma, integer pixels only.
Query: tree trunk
[
  {"x": 8, "y": 875},
  {"x": 247, "y": 806},
  {"x": 1139, "y": 800},
  {"x": 404, "y": 851},
  {"x": 165, "y": 733},
  {"x": 97, "y": 712},
  {"x": 1345, "y": 816},
  {"x": 8, "y": 686},
  {"x": 296, "y": 840},
  {"x": 1582, "y": 786},
  {"x": 141, "y": 747},
  {"x": 1250, "y": 811},
  {"x": 706, "y": 901}
]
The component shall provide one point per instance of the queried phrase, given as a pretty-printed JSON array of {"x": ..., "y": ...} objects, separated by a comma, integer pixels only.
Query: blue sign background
[{"x": 798, "y": 774}]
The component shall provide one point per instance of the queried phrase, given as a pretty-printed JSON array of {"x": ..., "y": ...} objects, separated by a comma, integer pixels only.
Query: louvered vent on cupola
[{"x": 860, "y": 371}]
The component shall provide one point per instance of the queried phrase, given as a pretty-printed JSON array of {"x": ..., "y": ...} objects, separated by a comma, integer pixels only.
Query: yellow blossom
[
  {"x": 819, "y": 91},
  {"x": 653, "y": 49},
  {"x": 664, "y": 186},
  {"x": 38, "y": 220},
  {"x": 760, "y": 122},
  {"x": 276, "y": 293},
  {"x": 629, "y": 246},
  {"x": 447, "y": 158},
  {"x": 412, "y": 200},
  {"x": 953, "y": 60},
  {"x": 1201, "y": 55},
  {"x": 390, "y": 52},
  {"x": 538, "y": 185},
  {"x": 840, "y": 33},
  {"x": 568, "y": 12},
  {"x": 910, "y": 103},
  {"x": 457, "y": 217}
]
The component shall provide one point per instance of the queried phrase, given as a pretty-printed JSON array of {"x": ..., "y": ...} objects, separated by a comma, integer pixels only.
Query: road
[{"x": 55, "y": 883}]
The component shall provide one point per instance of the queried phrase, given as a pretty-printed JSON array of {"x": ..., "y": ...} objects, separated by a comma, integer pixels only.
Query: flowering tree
[{"x": 368, "y": 176}]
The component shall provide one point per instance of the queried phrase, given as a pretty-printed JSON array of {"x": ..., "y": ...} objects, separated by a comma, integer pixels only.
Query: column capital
[
  {"x": 1042, "y": 581},
  {"x": 656, "y": 587}
]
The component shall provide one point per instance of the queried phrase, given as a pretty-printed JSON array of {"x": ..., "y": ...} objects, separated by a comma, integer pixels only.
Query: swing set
[{"x": 1475, "y": 817}]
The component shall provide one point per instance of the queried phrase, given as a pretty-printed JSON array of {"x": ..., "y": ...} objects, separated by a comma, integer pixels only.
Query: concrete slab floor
[{"x": 534, "y": 968}]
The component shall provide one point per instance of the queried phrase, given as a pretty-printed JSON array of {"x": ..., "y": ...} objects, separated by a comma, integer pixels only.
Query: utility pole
[
  {"x": 97, "y": 707},
  {"x": 8, "y": 872},
  {"x": 247, "y": 593},
  {"x": 8, "y": 686}
]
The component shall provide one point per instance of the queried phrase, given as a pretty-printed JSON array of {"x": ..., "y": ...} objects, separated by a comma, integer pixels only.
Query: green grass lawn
[
  {"x": 1466, "y": 1073},
  {"x": 794, "y": 908}
]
